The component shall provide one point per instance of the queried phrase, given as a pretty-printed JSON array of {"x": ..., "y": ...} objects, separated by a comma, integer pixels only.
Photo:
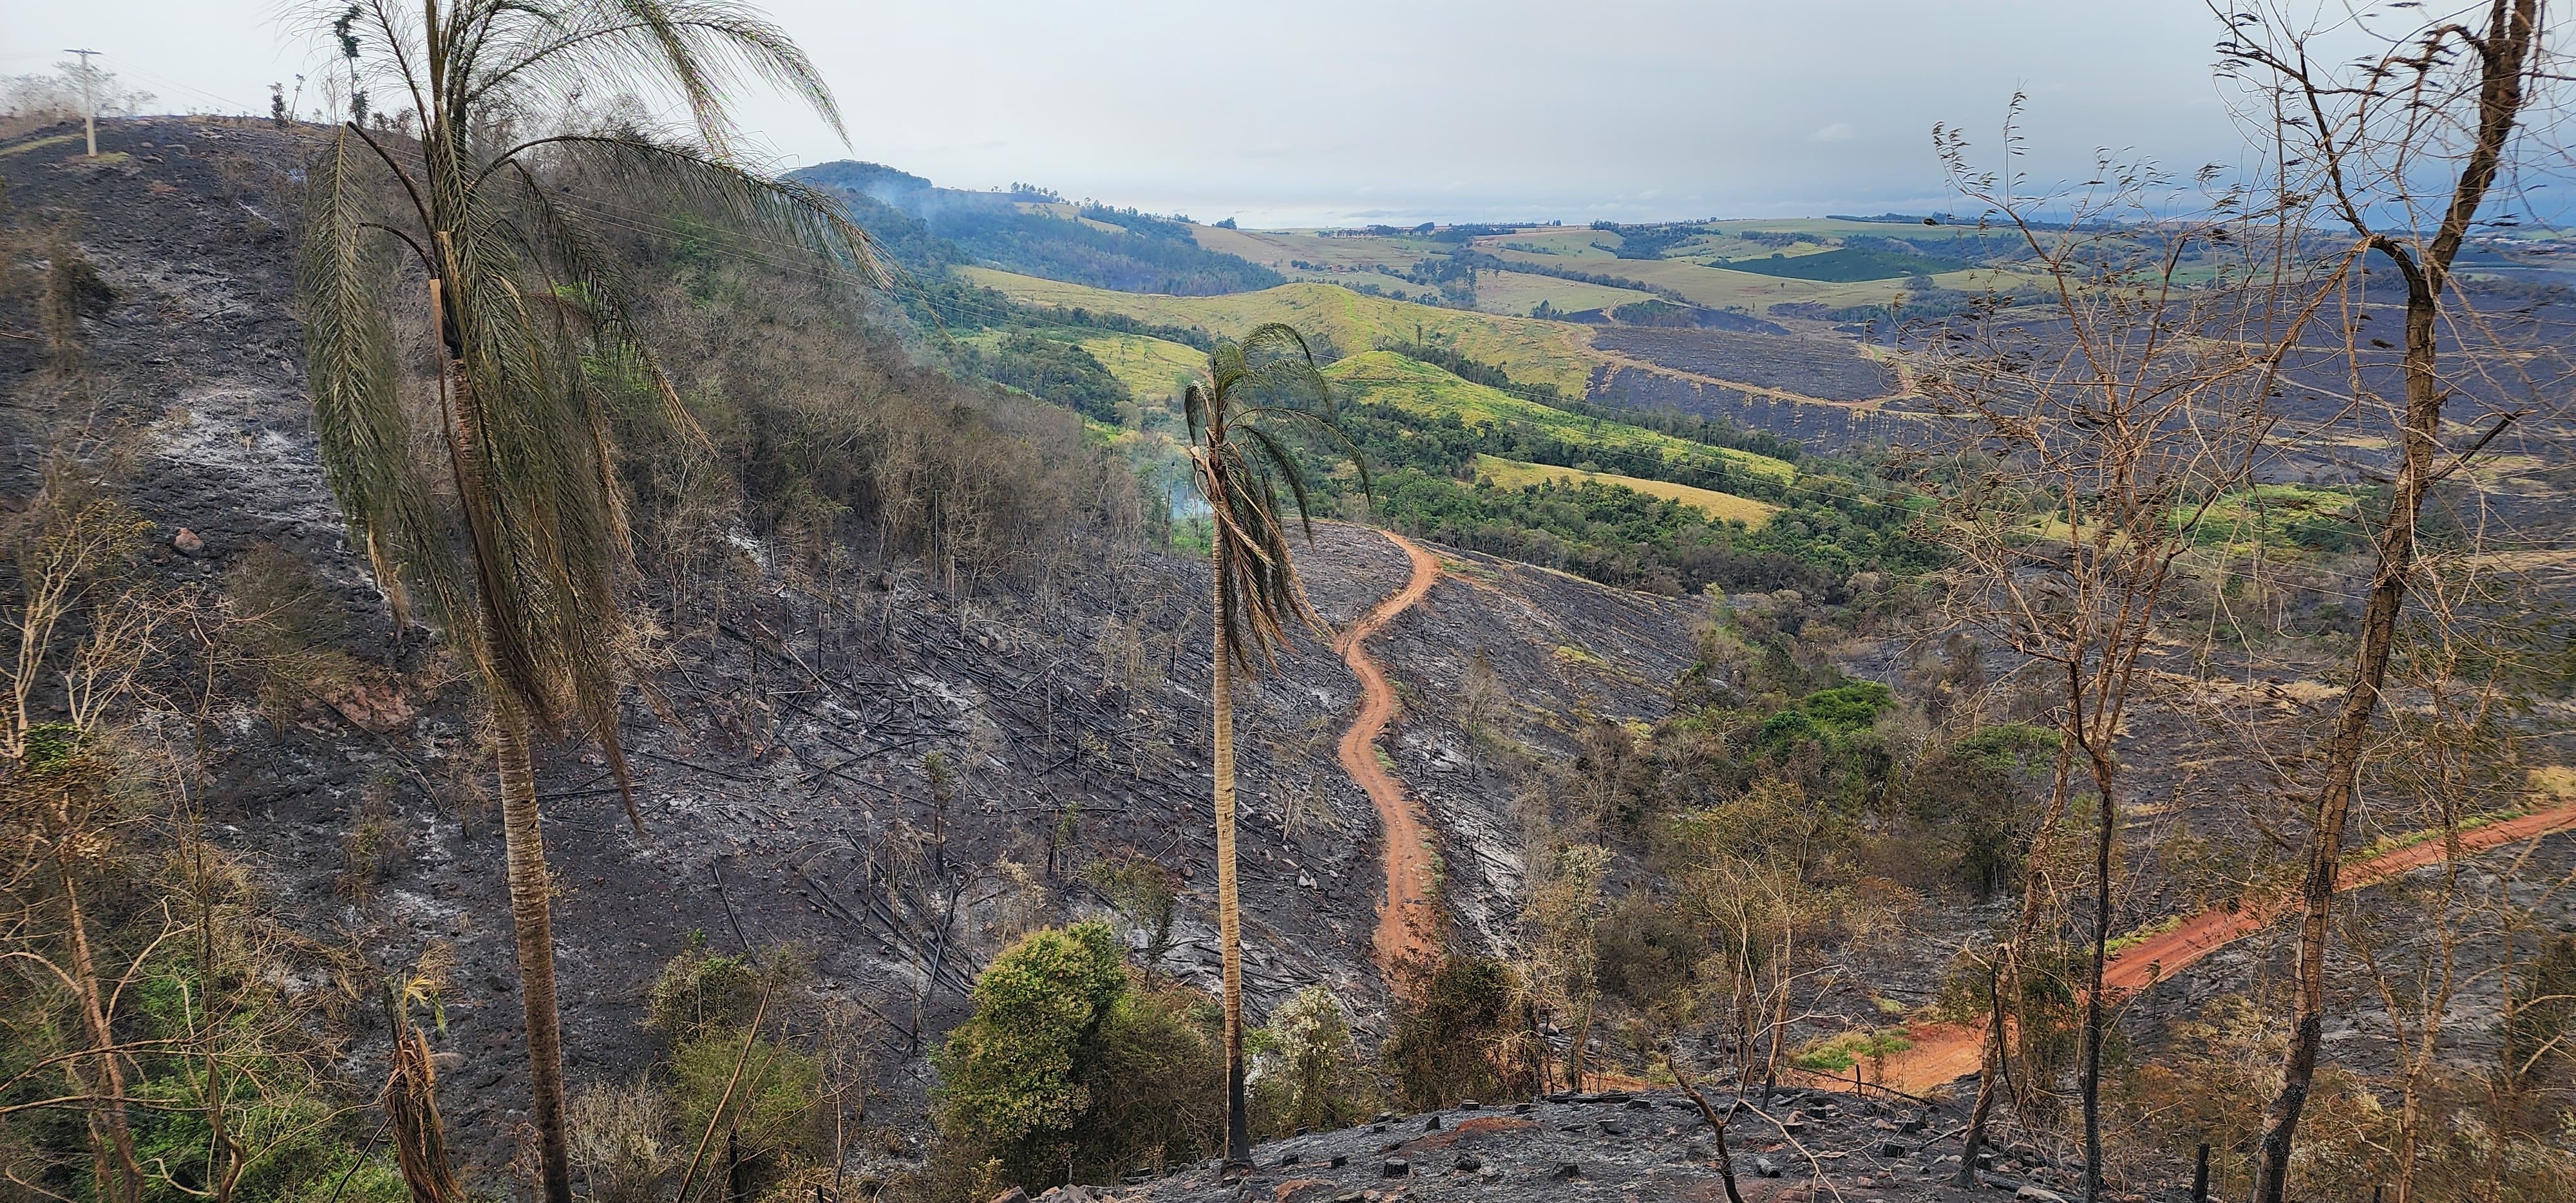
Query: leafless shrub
[
  {"x": 622, "y": 1141},
  {"x": 286, "y": 634}
]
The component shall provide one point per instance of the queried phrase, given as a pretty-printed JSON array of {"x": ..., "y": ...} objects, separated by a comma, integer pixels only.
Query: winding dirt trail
[
  {"x": 1944, "y": 1053},
  {"x": 1406, "y": 924}
]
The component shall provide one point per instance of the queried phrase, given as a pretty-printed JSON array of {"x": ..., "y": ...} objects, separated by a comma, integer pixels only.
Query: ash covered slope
[
  {"x": 784, "y": 763},
  {"x": 1799, "y": 1146}
]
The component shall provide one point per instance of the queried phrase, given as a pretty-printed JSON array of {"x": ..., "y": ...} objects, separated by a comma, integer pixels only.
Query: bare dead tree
[
  {"x": 2085, "y": 438},
  {"x": 2401, "y": 147}
]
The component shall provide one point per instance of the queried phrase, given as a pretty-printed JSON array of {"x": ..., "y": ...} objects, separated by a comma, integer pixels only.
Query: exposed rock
[
  {"x": 375, "y": 707},
  {"x": 187, "y": 543}
]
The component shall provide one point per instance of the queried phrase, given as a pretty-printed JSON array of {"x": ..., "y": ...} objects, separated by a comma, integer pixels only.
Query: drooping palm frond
[
  {"x": 529, "y": 292},
  {"x": 523, "y": 549},
  {"x": 699, "y": 179},
  {"x": 366, "y": 441},
  {"x": 702, "y": 51},
  {"x": 1257, "y": 391}
]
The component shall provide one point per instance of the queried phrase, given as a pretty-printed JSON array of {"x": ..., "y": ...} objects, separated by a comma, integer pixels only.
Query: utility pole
[{"x": 89, "y": 99}]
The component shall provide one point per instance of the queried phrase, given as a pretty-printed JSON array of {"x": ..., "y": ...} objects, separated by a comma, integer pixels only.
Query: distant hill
[{"x": 1034, "y": 233}]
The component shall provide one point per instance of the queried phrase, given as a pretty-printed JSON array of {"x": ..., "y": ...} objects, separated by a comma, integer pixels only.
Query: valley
[{"x": 549, "y": 660}]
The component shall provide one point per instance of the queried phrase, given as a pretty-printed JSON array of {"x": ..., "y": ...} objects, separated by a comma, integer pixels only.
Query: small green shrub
[
  {"x": 775, "y": 1113},
  {"x": 1304, "y": 1067},
  {"x": 1839, "y": 1053},
  {"x": 699, "y": 992},
  {"x": 49, "y": 746}
]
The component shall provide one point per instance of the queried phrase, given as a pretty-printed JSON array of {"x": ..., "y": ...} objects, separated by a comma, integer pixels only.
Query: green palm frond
[
  {"x": 530, "y": 295},
  {"x": 1258, "y": 390}
]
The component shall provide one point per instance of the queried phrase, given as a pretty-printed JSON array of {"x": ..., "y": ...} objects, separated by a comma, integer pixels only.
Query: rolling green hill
[
  {"x": 1109, "y": 248},
  {"x": 1539, "y": 352},
  {"x": 1151, "y": 368},
  {"x": 1387, "y": 378}
]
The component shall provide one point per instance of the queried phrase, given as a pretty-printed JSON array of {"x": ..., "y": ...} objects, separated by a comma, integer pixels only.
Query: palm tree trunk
[
  {"x": 1238, "y": 1127},
  {"x": 532, "y": 919}
]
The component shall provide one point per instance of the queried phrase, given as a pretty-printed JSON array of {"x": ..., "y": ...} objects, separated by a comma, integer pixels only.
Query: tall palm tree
[
  {"x": 517, "y": 550},
  {"x": 1256, "y": 392}
]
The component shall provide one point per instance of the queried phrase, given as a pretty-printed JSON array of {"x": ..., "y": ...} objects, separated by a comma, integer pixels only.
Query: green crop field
[
  {"x": 1513, "y": 474},
  {"x": 1557, "y": 243},
  {"x": 1284, "y": 248},
  {"x": 1517, "y": 293},
  {"x": 1387, "y": 378},
  {"x": 1151, "y": 368},
  {"x": 2282, "y": 520},
  {"x": 2282, "y": 517},
  {"x": 1709, "y": 286},
  {"x": 1538, "y": 352},
  {"x": 1844, "y": 266},
  {"x": 1727, "y": 265}
]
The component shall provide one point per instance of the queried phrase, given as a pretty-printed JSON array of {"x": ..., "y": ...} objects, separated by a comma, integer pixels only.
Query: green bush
[
  {"x": 1303, "y": 1067},
  {"x": 1839, "y": 1053},
  {"x": 1156, "y": 1078},
  {"x": 1844, "y": 709},
  {"x": 698, "y": 993},
  {"x": 774, "y": 1113},
  {"x": 1071, "y": 1070}
]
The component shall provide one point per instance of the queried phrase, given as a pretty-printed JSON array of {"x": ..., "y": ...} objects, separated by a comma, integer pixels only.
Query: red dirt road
[
  {"x": 1944, "y": 1053},
  {"x": 1406, "y": 925}
]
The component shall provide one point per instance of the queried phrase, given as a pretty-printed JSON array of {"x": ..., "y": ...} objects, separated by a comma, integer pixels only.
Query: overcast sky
[{"x": 1387, "y": 110}]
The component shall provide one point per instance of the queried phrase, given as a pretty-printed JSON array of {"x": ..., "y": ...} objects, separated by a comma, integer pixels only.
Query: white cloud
[{"x": 1082, "y": 97}]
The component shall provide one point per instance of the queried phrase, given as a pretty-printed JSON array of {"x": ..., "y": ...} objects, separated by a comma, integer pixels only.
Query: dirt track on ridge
[{"x": 1406, "y": 926}]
